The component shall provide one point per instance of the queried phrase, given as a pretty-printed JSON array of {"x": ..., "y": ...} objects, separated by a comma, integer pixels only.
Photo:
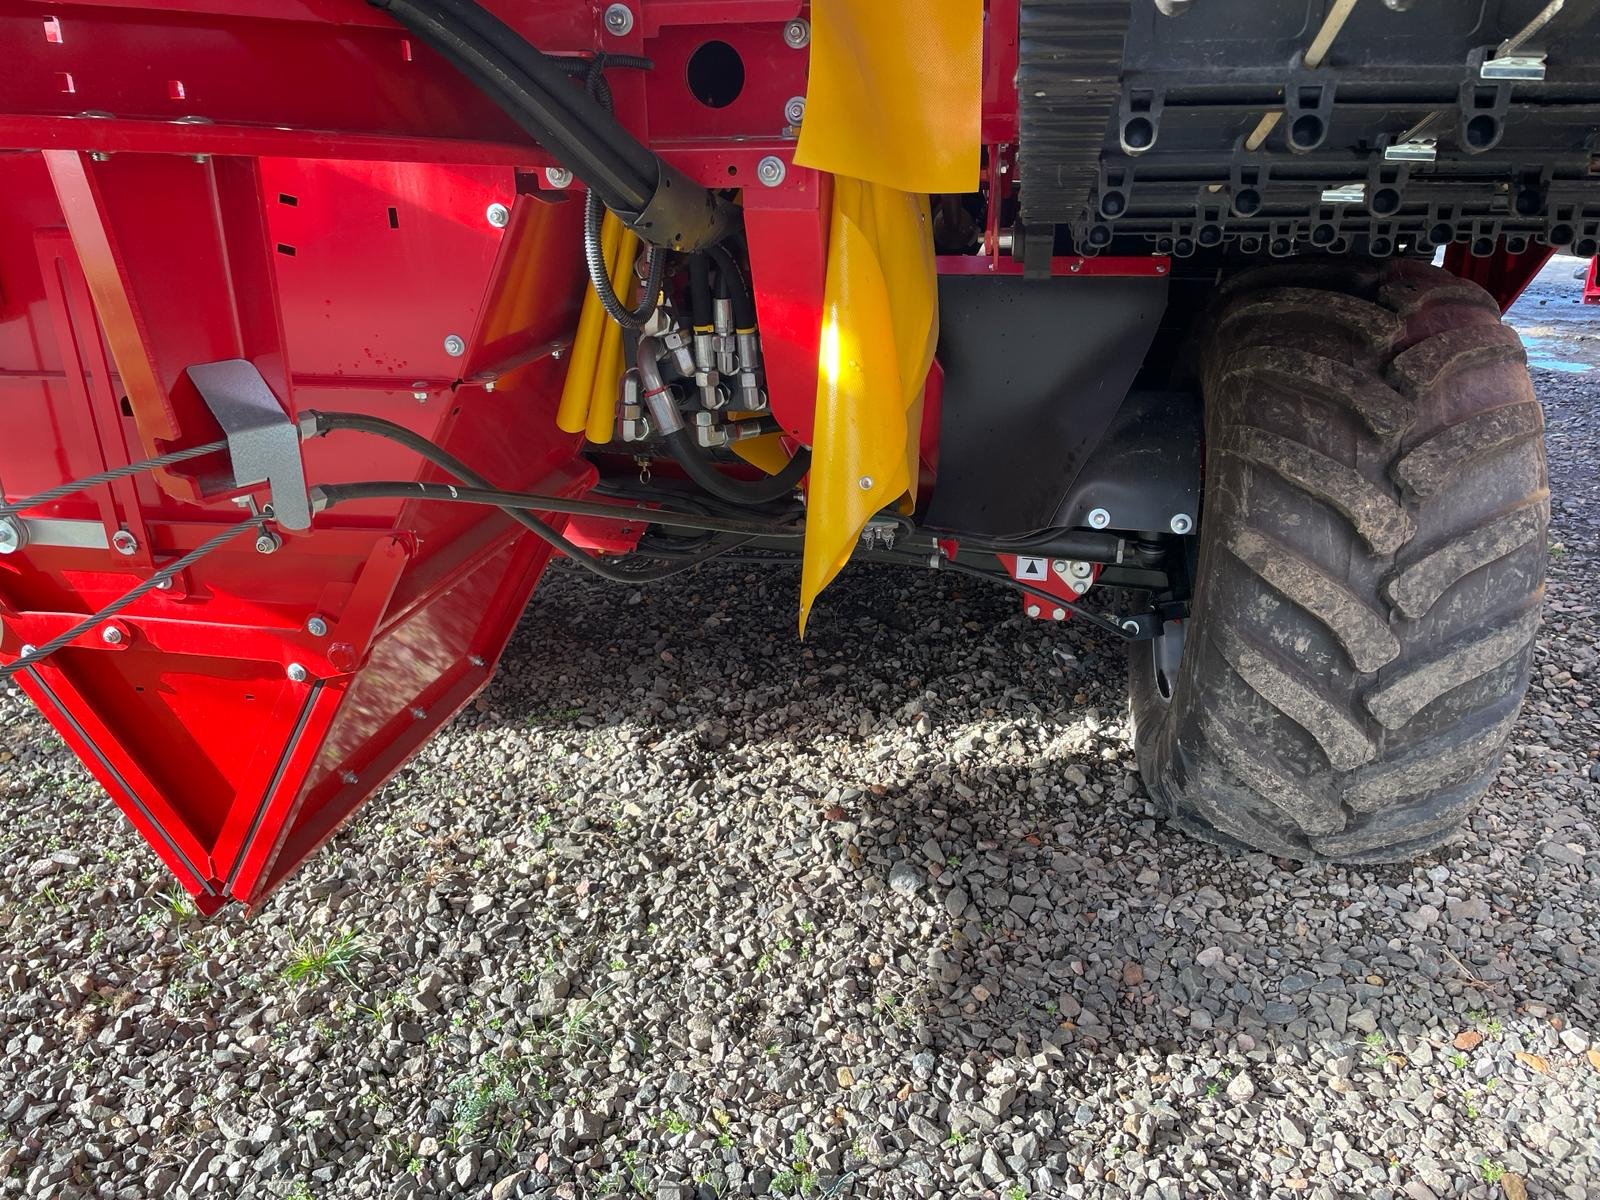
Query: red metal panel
[
  {"x": 1591, "y": 283},
  {"x": 1502, "y": 274}
]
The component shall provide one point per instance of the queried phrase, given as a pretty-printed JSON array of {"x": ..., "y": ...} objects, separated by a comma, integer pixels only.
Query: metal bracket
[
  {"x": 263, "y": 443},
  {"x": 1525, "y": 67}
]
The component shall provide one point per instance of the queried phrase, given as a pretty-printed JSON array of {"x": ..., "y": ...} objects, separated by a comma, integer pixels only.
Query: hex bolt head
[
  {"x": 124, "y": 543},
  {"x": 619, "y": 20},
  {"x": 13, "y": 535},
  {"x": 455, "y": 345},
  {"x": 1033, "y": 610},
  {"x": 795, "y": 110},
  {"x": 297, "y": 673},
  {"x": 1182, "y": 523},
  {"x": 1099, "y": 519},
  {"x": 498, "y": 215},
  {"x": 267, "y": 542},
  {"x": 771, "y": 170},
  {"x": 558, "y": 177},
  {"x": 797, "y": 33},
  {"x": 317, "y": 627},
  {"x": 111, "y": 635},
  {"x": 1058, "y": 614}
]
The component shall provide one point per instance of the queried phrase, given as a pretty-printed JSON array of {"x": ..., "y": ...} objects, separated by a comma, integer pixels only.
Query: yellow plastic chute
[{"x": 892, "y": 110}]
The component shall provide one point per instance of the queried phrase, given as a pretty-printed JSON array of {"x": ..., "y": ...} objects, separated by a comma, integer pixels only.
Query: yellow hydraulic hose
[
  {"x": 609, "y": 365},
  {"x": 577, "y": 392}
]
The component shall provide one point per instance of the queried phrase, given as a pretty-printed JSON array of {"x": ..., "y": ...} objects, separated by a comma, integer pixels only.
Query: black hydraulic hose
[
  {"x": 700, "y": 311},
  {"x": 547, "y": 73},
  {"x": 593, "y": 251},
  {"x": 732, "y": 278},
  {"x": 594, "y": 257},
  {"x": 444, "y": 460},
  {"x": 683, "y": 448},
  {"x": 585, "y": 139}
]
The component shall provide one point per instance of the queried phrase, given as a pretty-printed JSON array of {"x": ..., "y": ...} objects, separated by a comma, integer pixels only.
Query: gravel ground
[{"x": 683, "y": 907}]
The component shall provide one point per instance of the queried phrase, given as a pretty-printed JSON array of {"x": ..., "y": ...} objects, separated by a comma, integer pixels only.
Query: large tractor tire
[{"x": 1370, "y": 570}]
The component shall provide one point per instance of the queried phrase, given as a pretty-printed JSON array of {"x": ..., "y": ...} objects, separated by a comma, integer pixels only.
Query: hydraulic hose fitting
[{"x": 658, "y": 398}]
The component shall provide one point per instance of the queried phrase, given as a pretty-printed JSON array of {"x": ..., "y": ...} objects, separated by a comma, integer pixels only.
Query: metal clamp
[{"x": 263, "y": 443}]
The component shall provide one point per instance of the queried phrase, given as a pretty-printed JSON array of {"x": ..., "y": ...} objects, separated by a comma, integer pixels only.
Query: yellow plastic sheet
[
  {"x": 892, "y": 110},
  {"x": 895, "y": 92},
  {"x": 880, "y": 323}
]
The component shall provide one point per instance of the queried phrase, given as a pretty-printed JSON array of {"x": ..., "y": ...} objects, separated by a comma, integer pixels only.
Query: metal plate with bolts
[{"x": 263, "y": 444}]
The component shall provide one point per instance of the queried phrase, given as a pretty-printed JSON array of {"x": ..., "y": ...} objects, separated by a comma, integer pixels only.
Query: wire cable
[
  {"x": 111, "y": 476},
  {"x": 329, "y": 495},
  {"x": 513, "y": 508},
  {"x": 40, "y": 653}
]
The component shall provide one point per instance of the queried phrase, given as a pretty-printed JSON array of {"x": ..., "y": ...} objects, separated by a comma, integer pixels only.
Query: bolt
[
  {"x": 770, "y": 170},
  {"x": 865, "y": 483},
  {"x": 419, "y": 714},
  {"x": 13, "y": 535},
  {"x": 25, "y": 651},
  {"x": 1082, "y": 570},
  {"x": 317, "y": 627},
  {"x": 1182, "y": 523},
  {"x": 124, "y": 543},
  {"x": 488, "y": 385},
  {"x": 797, "y": 33},
  {"x": 297, "y": 673},
  {"x": 455, "y": 345},
  {"x": 795, "y": 111},
  {"x": 1060, "y": 566},
  {"x": 350, "y": 777},
  {"x": 1130, "y": 625},
  {"x": 1161, "y": 268},
  {"x": 1033, "y": 610},
  {"x": 111, "y": 635},
  {"x": 420, "y": 397},
  {"x": 475, "y": 659},
  {"x": 1075, "y": 267},
  {"x": 1058, "y": 614},
  {"x": 558, "y": 177},
  {"x": 619, "y": 20},
  {"x": 1099, "y": 519},
  {"x": 267, "y": 542},
  {"x": 499, "y": 215},
  {"x": 1079, "y": 586},
  {"x": 99, "y": 156},
  {"x": 164, "y": 585}
]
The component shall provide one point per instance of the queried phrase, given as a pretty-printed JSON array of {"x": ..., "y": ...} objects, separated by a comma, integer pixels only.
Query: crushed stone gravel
[{"x": 683, "y": 907}]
